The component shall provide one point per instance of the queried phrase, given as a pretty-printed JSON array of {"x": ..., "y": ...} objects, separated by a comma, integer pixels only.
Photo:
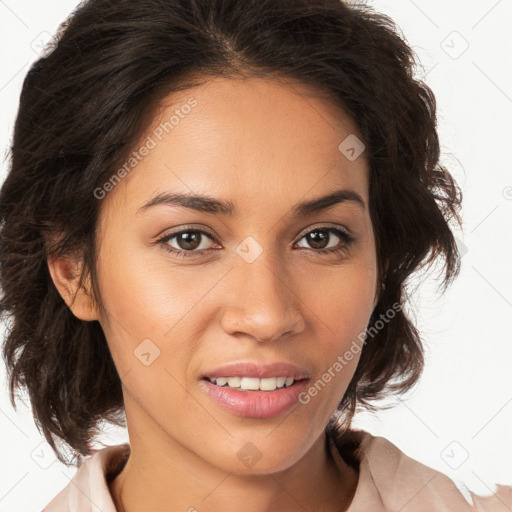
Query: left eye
[{"x": 318, "y": 237}]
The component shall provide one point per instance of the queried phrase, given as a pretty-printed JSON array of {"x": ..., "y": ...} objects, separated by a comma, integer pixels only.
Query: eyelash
[{"x": 346, "y": 237}]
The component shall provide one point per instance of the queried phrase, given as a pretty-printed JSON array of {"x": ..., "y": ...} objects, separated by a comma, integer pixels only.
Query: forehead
[{"x": 246, "y": 138}]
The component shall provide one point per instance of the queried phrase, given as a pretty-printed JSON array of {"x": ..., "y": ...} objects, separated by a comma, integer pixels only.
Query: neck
[{"x": 176, "y": 479}]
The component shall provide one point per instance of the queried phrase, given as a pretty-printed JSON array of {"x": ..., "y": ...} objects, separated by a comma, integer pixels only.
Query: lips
[
  {"x": 255, "y": 404},
  {"x": 257, "y": 370}
]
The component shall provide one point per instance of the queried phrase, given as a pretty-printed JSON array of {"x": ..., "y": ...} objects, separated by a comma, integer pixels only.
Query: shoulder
[
  {"x": 393, "y": 481},
  {"x": 88, "y": 489}
]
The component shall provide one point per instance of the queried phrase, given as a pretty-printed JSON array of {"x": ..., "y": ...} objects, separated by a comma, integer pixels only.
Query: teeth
[
  {"x": 253, "y": 383},
  {"x": 234, "y": 382}
]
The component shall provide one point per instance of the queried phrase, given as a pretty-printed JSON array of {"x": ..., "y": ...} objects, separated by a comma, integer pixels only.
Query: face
[{"x": 256, "y": 281}]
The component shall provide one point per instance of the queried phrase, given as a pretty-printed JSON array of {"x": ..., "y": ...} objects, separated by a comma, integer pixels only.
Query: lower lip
[{"x": 255, "y": 404}]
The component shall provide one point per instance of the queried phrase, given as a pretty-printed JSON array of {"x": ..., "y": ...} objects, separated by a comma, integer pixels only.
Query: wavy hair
[{"x": 84, "y": 104}]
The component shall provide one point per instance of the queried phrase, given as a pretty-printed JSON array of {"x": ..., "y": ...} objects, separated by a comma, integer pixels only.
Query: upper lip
[{"x": 259, "y": 370}]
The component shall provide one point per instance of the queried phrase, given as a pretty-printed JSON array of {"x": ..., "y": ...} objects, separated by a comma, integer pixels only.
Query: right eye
[{"x": 188, "y": 241}]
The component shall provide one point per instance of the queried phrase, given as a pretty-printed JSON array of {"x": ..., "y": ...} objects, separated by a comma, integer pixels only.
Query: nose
[{"x": 264, "y": 304}]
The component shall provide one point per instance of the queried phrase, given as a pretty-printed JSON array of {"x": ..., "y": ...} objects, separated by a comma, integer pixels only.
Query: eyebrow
[{"x": 208, "y": 204}]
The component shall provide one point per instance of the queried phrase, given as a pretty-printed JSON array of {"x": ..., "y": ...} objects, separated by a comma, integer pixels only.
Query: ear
[{"x": 65, "y": 273}]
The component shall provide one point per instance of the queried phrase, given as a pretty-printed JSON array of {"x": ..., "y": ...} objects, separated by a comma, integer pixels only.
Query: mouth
[
  {"x": 255, "y": 402},
  {"x": 253, "y": 389}
]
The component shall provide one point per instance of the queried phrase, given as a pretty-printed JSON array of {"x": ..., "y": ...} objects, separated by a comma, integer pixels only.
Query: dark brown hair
[{"x": 82, "y": 108}]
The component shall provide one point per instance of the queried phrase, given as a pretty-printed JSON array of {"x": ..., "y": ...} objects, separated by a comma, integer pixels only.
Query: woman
[{"x": 211, "y": 213}]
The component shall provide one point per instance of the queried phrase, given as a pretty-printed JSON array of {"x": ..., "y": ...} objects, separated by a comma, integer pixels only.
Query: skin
[{"x": 264, "y": 145}]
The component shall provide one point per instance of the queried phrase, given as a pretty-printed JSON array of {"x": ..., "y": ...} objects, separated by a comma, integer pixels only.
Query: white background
[{"x": 459, "y": 418}]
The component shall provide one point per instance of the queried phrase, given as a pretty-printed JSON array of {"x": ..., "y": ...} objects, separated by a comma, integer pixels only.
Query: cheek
[
  {"x": 154, "y": 307},
  {"x": 148, "y": 295},
  {"x": 342, "y": 304},
  {"x": 343, "y": 298}
]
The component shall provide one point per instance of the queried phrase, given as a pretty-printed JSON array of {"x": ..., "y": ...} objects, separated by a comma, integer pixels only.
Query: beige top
[{"x": 389, "y": 481}]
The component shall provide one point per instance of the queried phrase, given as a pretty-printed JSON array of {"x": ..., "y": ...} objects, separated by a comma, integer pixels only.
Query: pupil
[
  {"x": 189, "y": 240},
  {"x": 318, "y": 241}
]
